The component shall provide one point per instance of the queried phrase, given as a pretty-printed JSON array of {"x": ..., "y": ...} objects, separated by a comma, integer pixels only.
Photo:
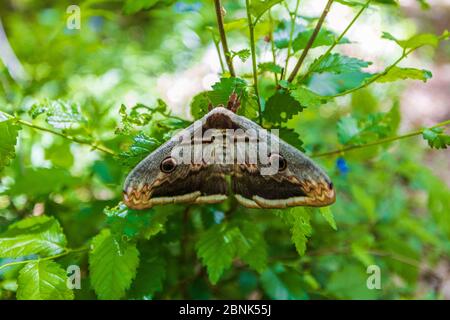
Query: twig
[
  {"x": 62, "y": 254},
  {"x": 223, "y": 37},
  {"x": 216, "y": 44},
  {"x": 251, "y": 28},
  {"x": 374, "y": 143},
  {"x": 310, "y": 41},
  {"x": 338, "y": 39},
  {"x": 71, "y": 138}
]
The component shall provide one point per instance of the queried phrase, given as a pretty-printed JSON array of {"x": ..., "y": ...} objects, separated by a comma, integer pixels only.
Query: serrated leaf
[
  {"x": 199, "y": 105},
  {"x": 142, "y": 146},
  {"x": 324, "y": 38},
  {"x": 216, "y": 248},
  {"x": 41, "y": 236},
  {"x": 337, "y": 63},
  {"x": 243, "y": 54},
  {"x": 59, "y": 114},
  {"x": 397, "y": 73},
  {"x": 224, "y": 88},
  {"x": 8, "y": 139},
  {"x": 418, "y": 40},
  {"x": 150, "y": 274},
  {"x": 269, "y": 67},
  {"x": 112, "y": 265},
  {"x": 292, "y": 137},
  {"x": 327, "y": 214},
  {"x": 256, "y": 255},
  {"x": 436, "y": 138},
  {"x": 43, "y": 280},
  {"x": 298, "y": 219},
  {"x": 307, "y": 98},
  {"x": 281, "y": 107}
]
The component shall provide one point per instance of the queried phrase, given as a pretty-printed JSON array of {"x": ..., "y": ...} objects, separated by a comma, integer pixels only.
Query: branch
[
  {"x": 71, "y": 138},
  {"x": 338, "y": 39},
  {"x": 377, "y": 142},
  {"x": 251, "y": 27},
  {"x": 223, "y": 37},
  {"x": 272, "y": 46},
  {"x": 310, "y": 41},
  {"x": 62, "y": 254}
]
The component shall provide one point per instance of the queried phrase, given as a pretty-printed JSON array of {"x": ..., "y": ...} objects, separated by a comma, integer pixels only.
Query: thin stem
[
  {"x": 310, "y": 41},
  {"x": 338, "y": 39},
  {"x": 71, "y": 138},
  {"x": 293, "y": 16},
  {"x": 374, "y": 78},
  {"x": 216, "y": 44},
  {"x": 62, "y": 254},
  {"x": 377, "y": 142},
  {"x": 223, "y": 37},
  {"x": 272, "y": 46},
  {"x": 251, "y": 28}
]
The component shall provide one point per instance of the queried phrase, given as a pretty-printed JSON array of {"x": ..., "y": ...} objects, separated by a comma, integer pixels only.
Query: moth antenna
[{"x": 234, "y": 101}]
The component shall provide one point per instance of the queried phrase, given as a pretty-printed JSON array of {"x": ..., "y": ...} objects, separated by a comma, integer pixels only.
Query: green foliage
[
  {"x": 8, "y": 133},
  {"x": 220, "y": 244},
  {"x": 92, "y": 110},
  {"x": 59, "y": 114},
  {"x": 436, "y": 138},
  {"x": 43, "y": 280},
  {"x": 324, "y": 38},
  {"x": 397, "y": 73},
  {"x": 112, "y": 264},
  {"x": 336, "y": 63},
  {"x": 39, "y": 235}
]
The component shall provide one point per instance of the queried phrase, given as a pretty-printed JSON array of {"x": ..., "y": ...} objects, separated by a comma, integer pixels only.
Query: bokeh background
[{"x": 393, "y": 199}]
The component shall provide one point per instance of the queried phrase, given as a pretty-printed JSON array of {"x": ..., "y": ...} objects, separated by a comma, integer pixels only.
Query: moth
[{"x": 163, "y": 177}]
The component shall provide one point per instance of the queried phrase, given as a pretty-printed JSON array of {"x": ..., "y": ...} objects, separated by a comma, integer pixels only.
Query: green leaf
[
  {"x": 243, "y": 54},
  {"x": 337, "y": 63},
  {"x": 30, "y": 183},
  {"x": 142, "y": 146},
  {"x": 324, "y": 38},
  {"x": 259, "y": 7},
  {"x": 418, "y": 40},
  {"x": 436, "y": 138},
  {"x": 291, "y": 136},
  {"x": 307, "y": 98},
  {"x": 397, "y": 73},
  {"x": 328, "y": 84},
  {"x": 216, "y": 247},
  {"x": 59, "y": 114},
  {"x": 281, "y": 283},
  {"x": 256, "y": 254},
  {"x": 298, "y": 219},
  {"x": 134, "y": 6},
  {"x": 328, "y": 216},
  {"x": 281, "y": 107},
  {"x": 43, "y": 280},
  {"x": 42, "y": 236},
  {"x": 270, "y": 67},
  {"x": 199, "y": 105},
  {"x": 8, "y": 139},
  {"x": 112, "y": 265},
  {"x": 150, "y": 274},
  {"x": 224, "y": 88}
]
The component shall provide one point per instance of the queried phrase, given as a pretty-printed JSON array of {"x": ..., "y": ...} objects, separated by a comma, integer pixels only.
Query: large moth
[{"x": 179, "y": 172}]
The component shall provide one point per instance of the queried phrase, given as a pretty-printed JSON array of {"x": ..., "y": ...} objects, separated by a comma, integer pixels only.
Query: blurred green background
[{"x": 393, "y": 200}]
